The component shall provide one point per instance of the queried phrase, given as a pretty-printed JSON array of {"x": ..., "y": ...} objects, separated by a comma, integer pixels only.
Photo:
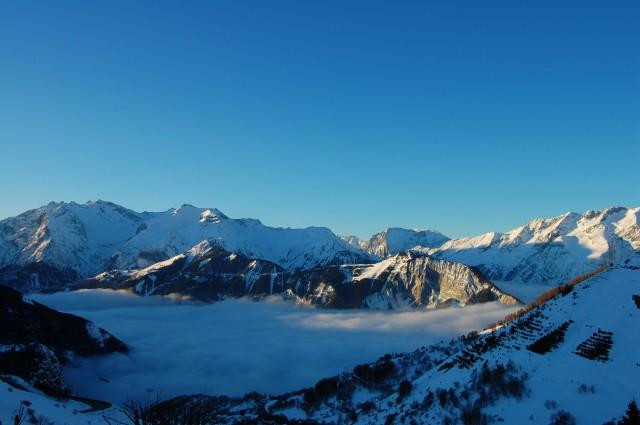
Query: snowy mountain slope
[
  {"x": 67, "y": 235},
  {"x": 210, "y": 273},
  {"x": 97, "y": 236},
  {"x": 575, "y": 356},
  {"x": 168, "y": 234},
  {"x": 550, "y": 250},
  {"x": 38, "y": 408},
  {"x": 395, "y": 240}
]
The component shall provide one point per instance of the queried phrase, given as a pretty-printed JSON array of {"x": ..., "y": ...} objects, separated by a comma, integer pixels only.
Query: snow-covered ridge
[
  {"x": 550, "y": 250},
  {"x": 90, "y": 238}
]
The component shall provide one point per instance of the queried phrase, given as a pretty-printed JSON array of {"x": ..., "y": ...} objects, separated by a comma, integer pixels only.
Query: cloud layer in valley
[{"x": 237, "y": 346}]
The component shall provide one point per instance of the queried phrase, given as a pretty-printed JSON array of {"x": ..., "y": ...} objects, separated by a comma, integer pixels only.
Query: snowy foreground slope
[
  {"x": 45, "y": 248},
  {"x": 577, "y": 355},
  {"x": 209, "y": 273},
  {"x": 550, "y": 251}
]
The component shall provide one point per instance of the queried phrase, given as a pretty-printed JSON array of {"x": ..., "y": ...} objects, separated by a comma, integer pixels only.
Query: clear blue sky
[{"x": 460, "y": 116}]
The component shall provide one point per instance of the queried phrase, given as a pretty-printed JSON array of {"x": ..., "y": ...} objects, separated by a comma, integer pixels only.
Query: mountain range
[
  {"x": 80, "y": 241},
  {"x": 61, "y": 244},
  {"x": 552, "y": 250},
  {"x": 569, "y": 357}
]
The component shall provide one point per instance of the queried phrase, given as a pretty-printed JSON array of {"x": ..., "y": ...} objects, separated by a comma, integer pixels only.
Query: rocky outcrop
[{"x": 36, "y": 364}]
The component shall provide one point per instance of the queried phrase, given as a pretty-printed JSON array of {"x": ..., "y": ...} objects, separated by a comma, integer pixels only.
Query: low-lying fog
[{"x": 237, "y": 346}]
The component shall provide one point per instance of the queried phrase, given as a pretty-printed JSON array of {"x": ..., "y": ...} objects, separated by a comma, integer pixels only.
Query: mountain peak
[
  {"x": 212, "y": 215},
  {"x": 397, "y": 239}
]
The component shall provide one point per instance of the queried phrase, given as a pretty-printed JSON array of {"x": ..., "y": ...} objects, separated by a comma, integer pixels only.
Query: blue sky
[{"x": 460, "y": 116}]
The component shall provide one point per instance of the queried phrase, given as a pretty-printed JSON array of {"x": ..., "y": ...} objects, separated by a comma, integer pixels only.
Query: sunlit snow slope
[{"x": 550, "y": 250}]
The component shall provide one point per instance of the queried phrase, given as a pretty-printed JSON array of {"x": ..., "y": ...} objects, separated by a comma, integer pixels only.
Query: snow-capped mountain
[
  {"x": 68, "y": 235},
  {"x": 550, "y": 250},
  {"x": 395, "y": 240},
  {"x": 573, "y": 359},
  {"x": 90, "y": 238},
  {"x": 208, "y": 272}
]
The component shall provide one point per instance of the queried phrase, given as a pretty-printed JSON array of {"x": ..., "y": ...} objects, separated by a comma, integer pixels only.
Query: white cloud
[{"x": 237, "y": 346}]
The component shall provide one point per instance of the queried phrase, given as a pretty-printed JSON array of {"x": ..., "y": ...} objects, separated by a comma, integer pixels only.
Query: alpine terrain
[
  {"x": 569, "y": 357},
  {"x": 550, "y": 250}
]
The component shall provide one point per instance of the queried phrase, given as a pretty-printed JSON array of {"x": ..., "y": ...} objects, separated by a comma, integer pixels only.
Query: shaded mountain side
[
  {"x": 26, "y": 321},
  {"x": 37, "y": 277},
  {"x": 573, "y": 358},
  {"x": 36, "y": 340},
  {"x": 207, "y": 272}
]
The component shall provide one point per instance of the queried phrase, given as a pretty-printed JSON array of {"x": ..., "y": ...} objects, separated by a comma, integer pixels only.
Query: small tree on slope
[{"x": 633, "y": 415}]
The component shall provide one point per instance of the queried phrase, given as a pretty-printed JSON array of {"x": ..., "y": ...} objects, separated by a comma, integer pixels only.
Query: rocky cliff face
[
  {"x": 208, "y": 272},
  {"x": 405, "y": 280}
]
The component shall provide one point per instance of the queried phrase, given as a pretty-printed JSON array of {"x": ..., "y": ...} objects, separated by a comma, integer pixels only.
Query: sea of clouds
[{"x": 236, "y": 346}]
